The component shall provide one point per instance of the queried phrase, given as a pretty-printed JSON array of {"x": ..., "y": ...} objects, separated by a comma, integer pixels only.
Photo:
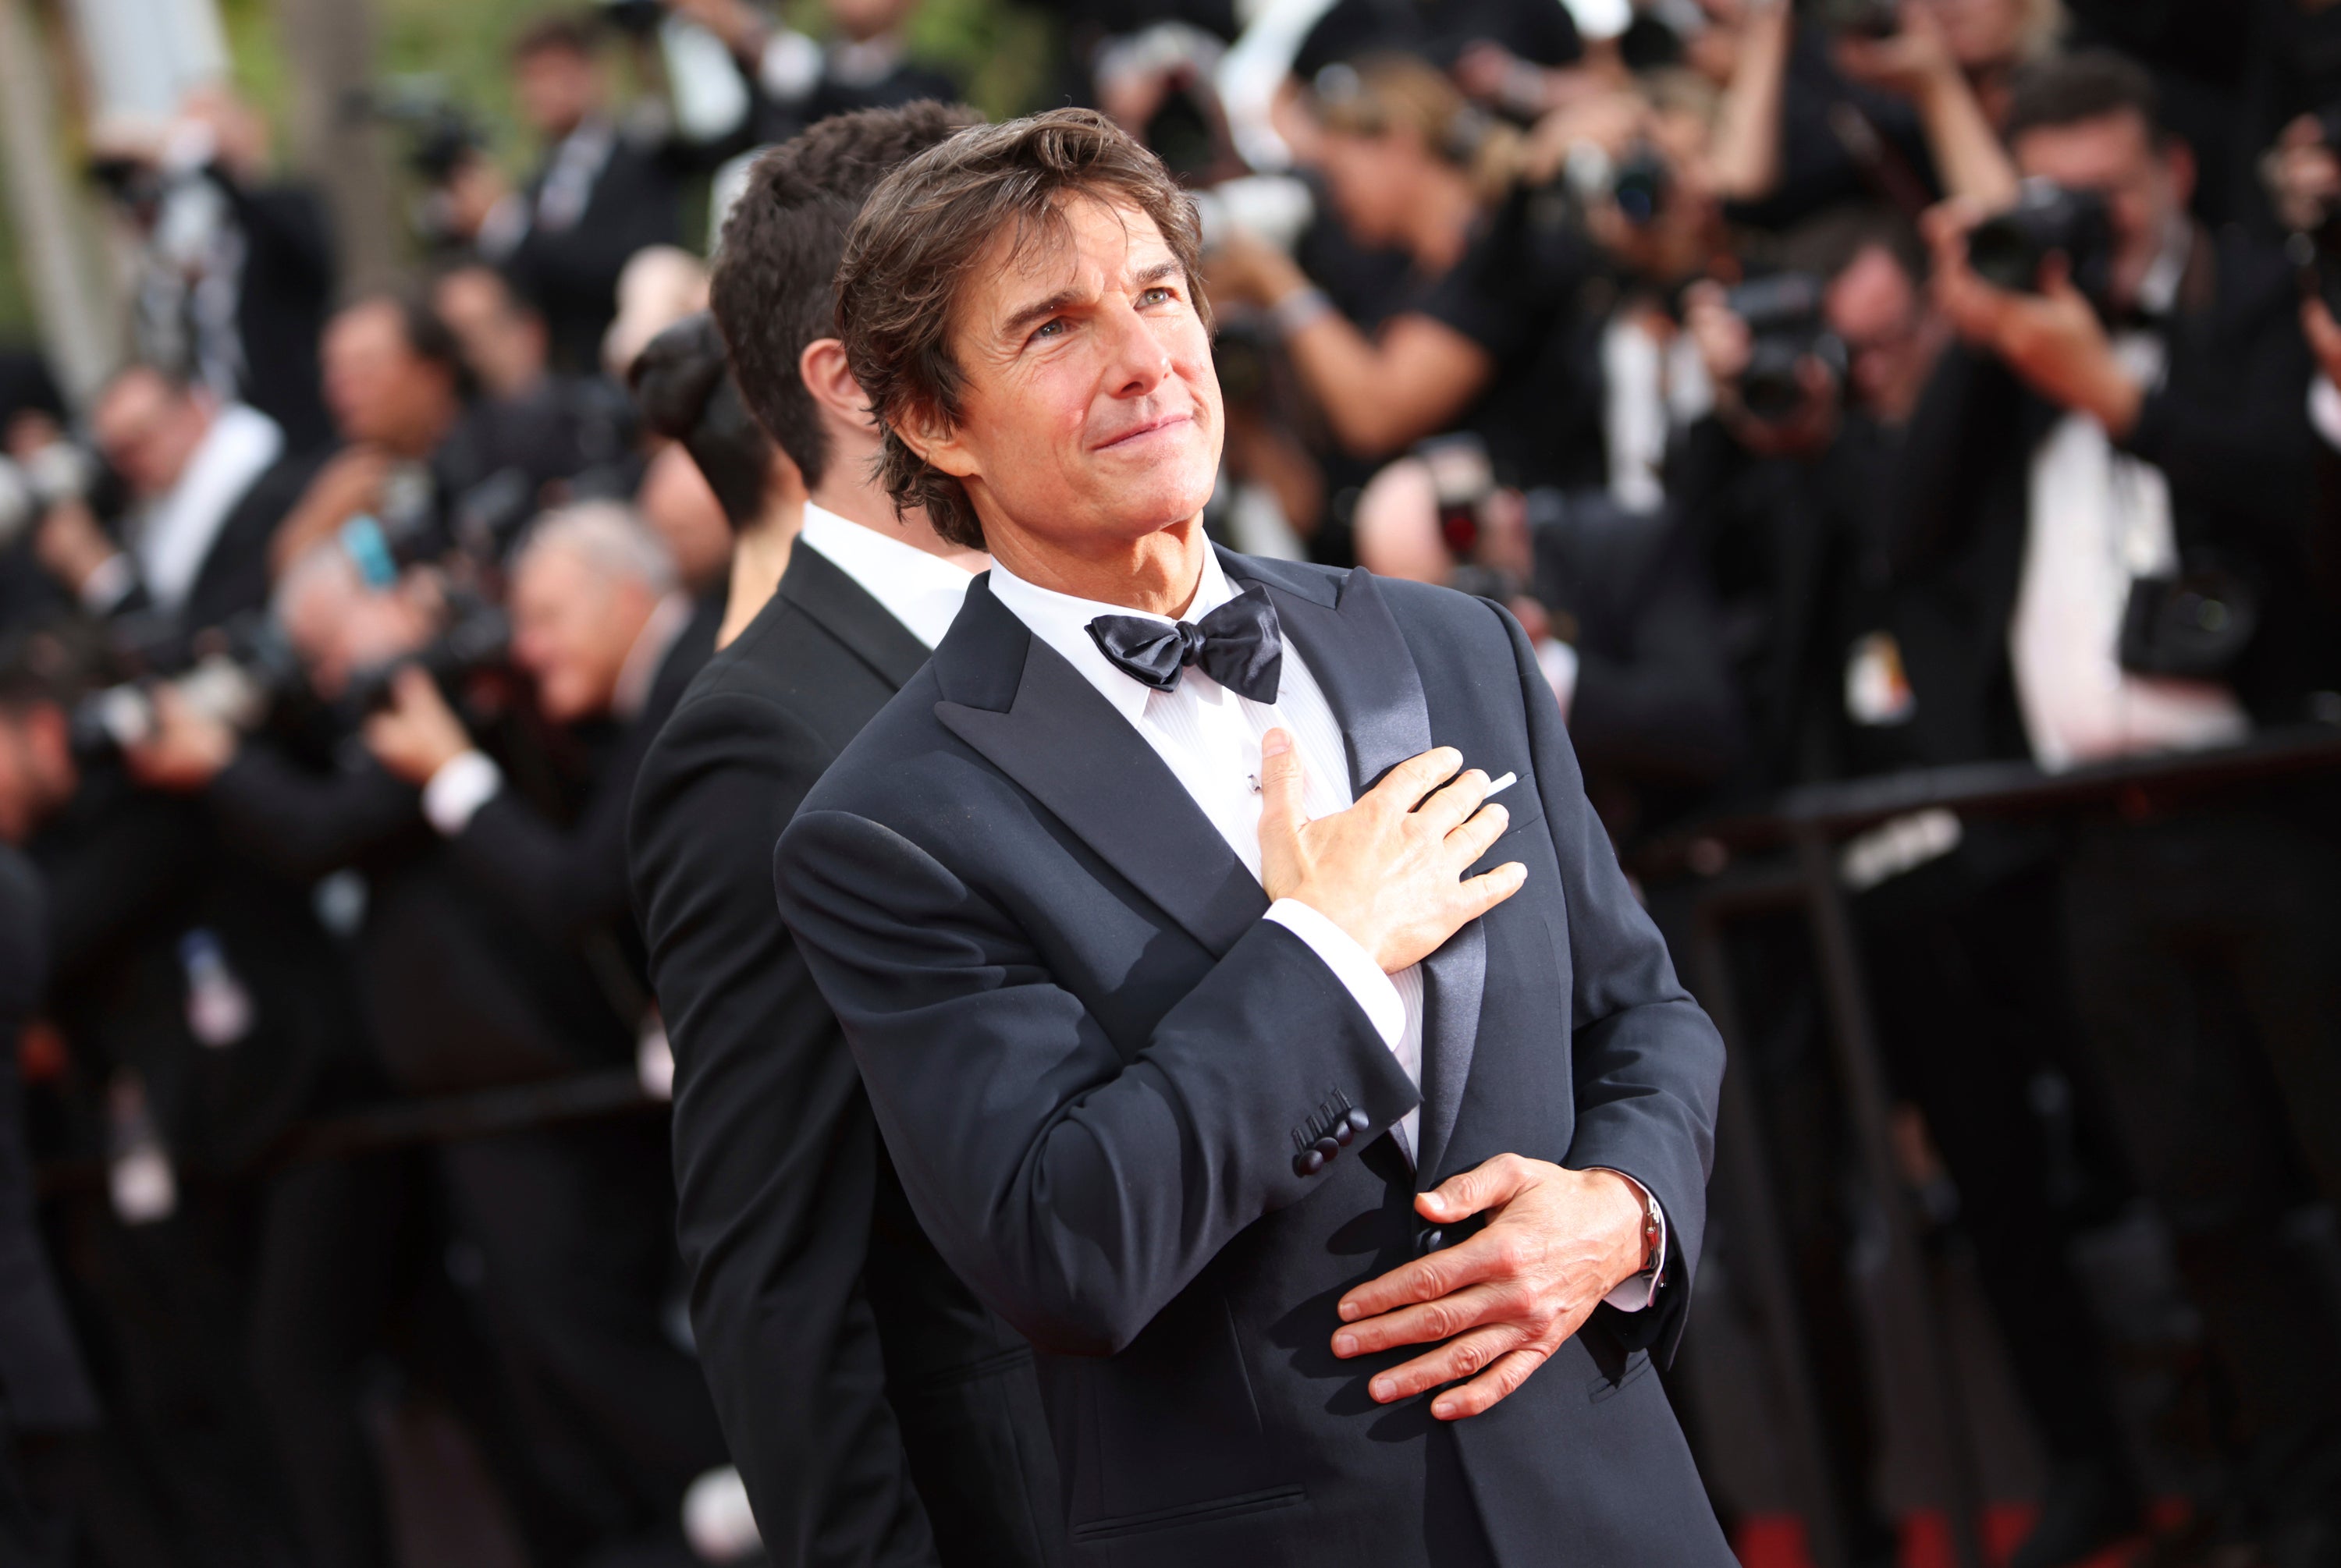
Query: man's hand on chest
[{"x": 1389, "y": 871}]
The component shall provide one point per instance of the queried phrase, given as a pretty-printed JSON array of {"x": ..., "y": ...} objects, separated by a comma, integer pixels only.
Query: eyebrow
[{"x": 1032, "y": 315}]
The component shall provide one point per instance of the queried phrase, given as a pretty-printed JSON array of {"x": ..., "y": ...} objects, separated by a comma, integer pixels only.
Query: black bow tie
[{"x": 1239, "y": 645}]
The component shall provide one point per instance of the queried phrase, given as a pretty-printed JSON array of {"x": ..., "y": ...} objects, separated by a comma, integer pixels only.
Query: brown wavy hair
[{"x": 919, "y": 238}]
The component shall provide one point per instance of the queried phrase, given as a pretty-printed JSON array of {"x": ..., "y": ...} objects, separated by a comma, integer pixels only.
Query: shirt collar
[
  {"x": 652, "y": 643},
  {"x": 1061, "y": 622},
  {"x": 922, "y": 591},
  {"x": 2157, "y": 291},
  {"x": 177, "y": 531}
]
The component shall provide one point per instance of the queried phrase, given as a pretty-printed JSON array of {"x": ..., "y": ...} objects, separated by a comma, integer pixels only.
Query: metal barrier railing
[{"x": 1787, "y": 857}]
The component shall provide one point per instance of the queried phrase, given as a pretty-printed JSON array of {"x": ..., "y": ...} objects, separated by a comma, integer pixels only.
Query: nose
[{"x": 1138, "y": 361}]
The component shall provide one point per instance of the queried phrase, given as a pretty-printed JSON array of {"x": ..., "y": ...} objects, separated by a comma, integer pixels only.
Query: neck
[
  {"x": 873, "y": 509},
  {"x": 1441, "y": 219},
  {"x": 759, "y": 556},
  {"x": 1157, "y": 573}
]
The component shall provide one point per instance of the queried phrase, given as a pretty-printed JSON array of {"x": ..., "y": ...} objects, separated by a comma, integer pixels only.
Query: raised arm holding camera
[{"x": 2106, "y": 500}]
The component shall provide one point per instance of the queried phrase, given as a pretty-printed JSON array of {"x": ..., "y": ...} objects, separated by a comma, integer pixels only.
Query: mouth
[{"x": 1137, "y": 433}]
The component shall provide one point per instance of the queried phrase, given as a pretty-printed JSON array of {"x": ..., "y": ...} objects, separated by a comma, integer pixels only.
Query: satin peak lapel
[
  {"x": 1355, "y": 650},
  {"x": 1080, "y": 758}
]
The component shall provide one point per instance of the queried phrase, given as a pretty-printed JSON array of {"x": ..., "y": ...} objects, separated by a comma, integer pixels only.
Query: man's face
[
  {"x": 859, "y": 20},
  {"x": 339, "y": 627},
  {"x": 37, "y": 769},
  {"x": 556, "y": 88},
  {"x": 1369, "y": 179},
  {"x": 572, "y": 628},
  {"x": 149, "y": 430},
  {"x": 1874, "y": 308},
  {"x": 379, "y": 389},
  {"x": 2144, "y": 186},
  {"x": 1089, "y": 416},
  {"x": 503, "y": 344}
]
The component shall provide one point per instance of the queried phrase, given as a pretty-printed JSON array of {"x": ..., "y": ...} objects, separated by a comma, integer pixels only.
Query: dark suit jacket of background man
[
  {"x": 2228, "y": 427},
  {"x": 814, "y": 1289},
  {"x": 1093, "y": 1061}
]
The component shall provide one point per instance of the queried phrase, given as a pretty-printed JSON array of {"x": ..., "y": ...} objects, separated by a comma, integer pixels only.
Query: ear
[
  {"x": 827, "y": 376},
  {"x": 941, "y": 443},
  {"x": 2179, "y": 159}
]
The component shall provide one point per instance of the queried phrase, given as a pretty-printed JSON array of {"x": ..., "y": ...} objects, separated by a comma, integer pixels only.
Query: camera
[
  {"x": 57, "y": 472},
  {"x": 2008, "y": 251},
  {"x": 476, "y": 638},
  {"x": 1787, "y": 327},
  {"x": 1636, "y": 182},
  {"x": 236, "y": 675},
  {"x": 440, "y": 135}
]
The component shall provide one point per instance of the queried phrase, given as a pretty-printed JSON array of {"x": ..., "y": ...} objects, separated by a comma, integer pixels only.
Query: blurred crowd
[{"x": 1832, "y": 389}]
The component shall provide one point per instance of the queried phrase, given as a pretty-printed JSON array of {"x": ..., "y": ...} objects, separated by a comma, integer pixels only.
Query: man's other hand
[
  {"x": 1389, "y": 870},
  {"x": 1556, "y": 1243},
  {"x": 418, "y": 733},
  {"x": 186, "y": 750}
]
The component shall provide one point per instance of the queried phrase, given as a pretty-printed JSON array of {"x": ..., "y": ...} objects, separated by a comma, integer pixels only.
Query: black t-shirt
[
  {"x": 1840, "y": 142},
  {"x": 1537, "y": 31},
  {"x": 1520, "y": 294}
]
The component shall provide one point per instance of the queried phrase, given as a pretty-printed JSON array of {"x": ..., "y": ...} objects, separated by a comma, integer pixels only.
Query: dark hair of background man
[
  {"x": 2071, "y": 89},
  {"x": 771, "y": 291}
]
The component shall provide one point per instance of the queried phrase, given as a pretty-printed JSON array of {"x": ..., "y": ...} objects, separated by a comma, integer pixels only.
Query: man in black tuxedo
[
  {"x": 1232, "y": 1095},
  {"x": 208, "y": 483},
  {"x": 603, "y": 192},
  {"x": 878, "y": 1412}
]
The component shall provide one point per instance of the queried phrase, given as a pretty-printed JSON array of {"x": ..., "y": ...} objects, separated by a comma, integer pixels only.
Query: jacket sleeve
[
  {"x": 776, "y": 1157},
  {"x": 560, "y": 881},
  {"x": 301, "y": 825},
  {"x": 1075, "y": 1183},
  {"x": 1648, "y": 1062}
]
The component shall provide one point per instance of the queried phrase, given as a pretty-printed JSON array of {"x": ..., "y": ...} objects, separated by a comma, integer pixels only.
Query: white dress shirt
[
  {"x": 171, "y": 537},
  {"x": 922, "y": 591},
  {"x": 1209, "y": 736},
  {"x": 2098, "y": 519}
]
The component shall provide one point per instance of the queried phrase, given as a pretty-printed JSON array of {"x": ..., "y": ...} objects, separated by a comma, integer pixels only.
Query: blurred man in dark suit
[
  {"x": 878, "y": 1412},
  {"x": 208, "y": 483},
  {"x": 45, "y": 1395},
  {"x": 602, "y": 193}
]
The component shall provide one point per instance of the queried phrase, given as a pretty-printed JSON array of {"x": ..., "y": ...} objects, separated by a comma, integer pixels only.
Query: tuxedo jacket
[
  {"x": 233, "y": 579},
  {"x": 878, "y": 1412},
  {"x": 1094, "y": 1062},
  {"x": 2228, "y": 428}
]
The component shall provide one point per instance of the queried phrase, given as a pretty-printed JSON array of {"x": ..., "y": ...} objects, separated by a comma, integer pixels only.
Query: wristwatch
[{"x": 1654, "y": 1233}]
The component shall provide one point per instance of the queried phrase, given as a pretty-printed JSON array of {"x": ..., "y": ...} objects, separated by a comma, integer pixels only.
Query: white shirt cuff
[
  {"x": 465, "y": 783},
  {"x": 2325, "y": 408},
  {"x": 1558, "y": 660},
  {"x": 1637, "y": 1292},
  {"x": 109, "y": 584},
  {"x": 1351, "y": 965}
]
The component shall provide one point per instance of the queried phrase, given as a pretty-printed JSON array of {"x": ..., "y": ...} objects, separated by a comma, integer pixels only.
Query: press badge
[{"x": 1876, "y": 687}]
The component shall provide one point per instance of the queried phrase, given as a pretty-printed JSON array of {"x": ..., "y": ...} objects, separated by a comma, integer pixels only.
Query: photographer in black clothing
[
  {"x": 45, "y": 1399},
  {"x": 492, "y": 953},
  {"x": 1817, "y": 376},
  {"x": 204, "y": 1011},
  {"x": 2105, "y": 502},
  {"x": 1472, "y": 340},
  {"x": 206, "y": 485},
  {"x": 604, "y": 191}
]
